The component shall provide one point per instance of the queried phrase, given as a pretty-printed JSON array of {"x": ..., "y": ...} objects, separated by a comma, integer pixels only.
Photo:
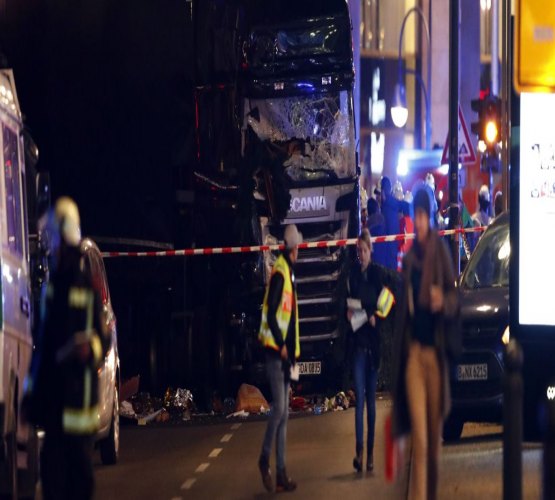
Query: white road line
[
  {"x": 215, "y": 452},
  {"x": 234, "y": 427},
  {"x": 187, "y": 484},
  {"x": 226, "y": 438},
  {"x": 202, "y": 467}
]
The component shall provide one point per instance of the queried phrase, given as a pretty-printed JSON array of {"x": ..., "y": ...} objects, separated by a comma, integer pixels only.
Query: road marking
[
  {"x": 226, "y": 438},
  {"x": 202, "y": 467},
  {"x": 234, "y": 427},
  {"x": 187, "y": 484},
  {"x": 215, "y": 452}
]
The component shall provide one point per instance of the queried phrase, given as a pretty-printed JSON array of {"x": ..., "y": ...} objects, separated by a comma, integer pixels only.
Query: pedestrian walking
[
  {"x": 62, "y": 388},
  {"x": 366, "y": 307},
  {"x": 279, "y": 334},
  {"x": 427, "y": 315}
]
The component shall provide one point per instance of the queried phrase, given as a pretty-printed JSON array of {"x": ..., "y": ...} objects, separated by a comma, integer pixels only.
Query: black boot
[
  {"x": 370, "y": 462},
  {"x": 357, "y": 461},
  {"x": 284, "y": 482},
  {"x": 264, "y": 466}
]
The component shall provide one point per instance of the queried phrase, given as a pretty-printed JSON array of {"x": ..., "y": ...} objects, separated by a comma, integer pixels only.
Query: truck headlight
[{"x": 506, "y": 337}]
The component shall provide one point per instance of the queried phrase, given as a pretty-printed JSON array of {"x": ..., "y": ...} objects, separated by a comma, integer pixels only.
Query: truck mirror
[
  {"x": 31, "y": 151},
  {"x": 43, "y": 192}
]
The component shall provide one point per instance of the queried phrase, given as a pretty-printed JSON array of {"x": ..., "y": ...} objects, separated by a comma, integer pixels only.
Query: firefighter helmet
[{"x": 69, "y": 223}]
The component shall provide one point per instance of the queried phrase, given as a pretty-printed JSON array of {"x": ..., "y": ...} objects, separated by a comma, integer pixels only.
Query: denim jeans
[
  {"x": 277, "y": 423},
  {"x": 366, "y": 377}
]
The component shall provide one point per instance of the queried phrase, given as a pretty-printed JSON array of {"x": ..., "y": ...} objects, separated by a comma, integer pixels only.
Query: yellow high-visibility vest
[{"x": 284, "y": 311}]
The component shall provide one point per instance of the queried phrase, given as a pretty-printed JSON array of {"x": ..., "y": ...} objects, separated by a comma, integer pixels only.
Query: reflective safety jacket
[
  {"x": 284, "y": 311},
  {"x": 64, "y": 384}
]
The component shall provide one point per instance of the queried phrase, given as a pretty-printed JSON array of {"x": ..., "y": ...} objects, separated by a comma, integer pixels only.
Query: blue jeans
[
  {"x": 366, "y": 377},
  {"x": 277, "y": 423}
]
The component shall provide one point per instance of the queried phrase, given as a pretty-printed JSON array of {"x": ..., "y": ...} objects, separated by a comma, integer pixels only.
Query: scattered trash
[
  {"x": 250, "y": 399},
  {"x": 178, "y": 406},
  {"x": 126, "y": 410},
  {"x": 129, "y": 388},
  {"x": 241, "y": 413},
  {"x": 149, "y": 418},
  {"x": 298, "y": 403}
]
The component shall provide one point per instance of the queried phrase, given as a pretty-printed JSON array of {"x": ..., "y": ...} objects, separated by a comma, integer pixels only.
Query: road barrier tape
[{"x": 264, "y": 248}]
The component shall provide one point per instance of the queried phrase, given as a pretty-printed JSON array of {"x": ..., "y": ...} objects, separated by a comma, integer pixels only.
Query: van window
[{"x": 13, "y": 190}]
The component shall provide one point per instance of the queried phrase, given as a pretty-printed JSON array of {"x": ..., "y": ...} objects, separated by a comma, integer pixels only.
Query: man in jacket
[
  {"x": 390, "y": 211},
  {"x": 62, "y": 388},
  {"x": 279, "y": 334}
]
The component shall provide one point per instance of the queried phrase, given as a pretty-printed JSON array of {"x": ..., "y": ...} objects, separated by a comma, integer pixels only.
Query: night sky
[{"x": 106, "y": 88}]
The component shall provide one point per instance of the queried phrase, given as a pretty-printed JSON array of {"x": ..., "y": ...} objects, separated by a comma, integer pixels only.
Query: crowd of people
[{"x": 417, "y": 275}]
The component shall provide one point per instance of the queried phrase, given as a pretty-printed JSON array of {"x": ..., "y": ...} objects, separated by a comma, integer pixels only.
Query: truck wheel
[
  {"x": 452, "y": 428},
  {"x": 109, "y": 447}
]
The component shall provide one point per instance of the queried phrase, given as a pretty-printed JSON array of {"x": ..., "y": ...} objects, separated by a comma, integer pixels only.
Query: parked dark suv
[{"x": 476, "y": 377}]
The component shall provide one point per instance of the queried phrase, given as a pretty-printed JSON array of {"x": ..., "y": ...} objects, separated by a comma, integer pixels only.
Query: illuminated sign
[
  {"x": 537, "y": 210},
  {"x": 534, "y": 69}
]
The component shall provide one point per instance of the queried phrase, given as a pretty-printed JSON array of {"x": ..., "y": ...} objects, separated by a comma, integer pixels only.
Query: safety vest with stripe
[
  {"x": 284, "y": 311},
  {"x": 81, "y": 413}
]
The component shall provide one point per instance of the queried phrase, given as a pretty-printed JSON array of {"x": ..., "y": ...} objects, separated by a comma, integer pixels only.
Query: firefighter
[
  {"x": 62, "y": 388},
  {"x": 279, "y": 334}
]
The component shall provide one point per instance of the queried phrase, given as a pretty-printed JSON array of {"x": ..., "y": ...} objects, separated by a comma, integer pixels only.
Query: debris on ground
[
  {"x": 241, "y": 414},
  {"x": 129, "y": 388},
  {"x": 250, "y": 399},
  {"x": 178, "y": 405}
]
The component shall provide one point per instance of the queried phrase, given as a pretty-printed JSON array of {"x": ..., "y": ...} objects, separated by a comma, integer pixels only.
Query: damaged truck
[{"x": 297, "y": 163}]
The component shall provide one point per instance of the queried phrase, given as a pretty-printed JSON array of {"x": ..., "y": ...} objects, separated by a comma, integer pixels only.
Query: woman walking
[
  {"x": 366, "y": 283},
  {"x": 421, "y": 392}
]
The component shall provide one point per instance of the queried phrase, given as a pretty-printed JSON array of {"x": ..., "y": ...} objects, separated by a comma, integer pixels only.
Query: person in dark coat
[
  {"x": 390, "y": 211},
  {"x": 427, "y": 310},
  {"x": 61, "y": 391},
  {"x": 376, "y": 226},
  {"x": 366, "y": 282}
]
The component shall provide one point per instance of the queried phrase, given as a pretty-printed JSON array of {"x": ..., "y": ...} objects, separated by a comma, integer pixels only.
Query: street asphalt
[{"x": 219, "y": 461}]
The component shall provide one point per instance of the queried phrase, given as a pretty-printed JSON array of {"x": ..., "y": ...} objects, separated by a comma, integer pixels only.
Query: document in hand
[{"x": 358, "y": 319}]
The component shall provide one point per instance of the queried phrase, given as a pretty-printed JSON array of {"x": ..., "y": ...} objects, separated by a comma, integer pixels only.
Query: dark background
[
  {"x": 126, "y": 100},
  {"x": 107, "y": 90}
]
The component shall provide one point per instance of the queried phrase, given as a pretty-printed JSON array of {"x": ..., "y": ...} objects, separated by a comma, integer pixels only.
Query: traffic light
[{"x": 488, "y": 126}]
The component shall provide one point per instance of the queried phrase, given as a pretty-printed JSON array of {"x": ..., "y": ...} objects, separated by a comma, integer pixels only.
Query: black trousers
[{"x": 66, "y": 467}]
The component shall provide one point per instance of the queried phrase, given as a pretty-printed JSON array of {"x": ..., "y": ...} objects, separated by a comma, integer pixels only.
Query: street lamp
[{"x": 399, "y": 111}]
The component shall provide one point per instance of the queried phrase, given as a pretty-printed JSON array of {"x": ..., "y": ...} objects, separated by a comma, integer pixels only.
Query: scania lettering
[{"x": 314, "y": 203}]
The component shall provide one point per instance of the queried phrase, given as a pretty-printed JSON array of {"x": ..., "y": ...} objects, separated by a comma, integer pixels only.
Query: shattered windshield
[{"x": 316, "y": 131}]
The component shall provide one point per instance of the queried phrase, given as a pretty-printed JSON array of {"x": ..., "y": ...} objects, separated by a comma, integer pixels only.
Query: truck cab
[
  {"x": 298, "y": 137},
  {"x": 19, "y": 460}
]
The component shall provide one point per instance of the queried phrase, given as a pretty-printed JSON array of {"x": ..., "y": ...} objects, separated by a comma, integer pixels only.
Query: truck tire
[{"x": 109, "y": 447}]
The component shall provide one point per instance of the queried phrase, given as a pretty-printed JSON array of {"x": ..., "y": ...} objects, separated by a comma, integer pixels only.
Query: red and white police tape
[{"x": 263, "y": 248}]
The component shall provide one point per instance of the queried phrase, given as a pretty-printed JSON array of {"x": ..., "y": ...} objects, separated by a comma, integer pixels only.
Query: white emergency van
[{"x": 18, "y": 445}]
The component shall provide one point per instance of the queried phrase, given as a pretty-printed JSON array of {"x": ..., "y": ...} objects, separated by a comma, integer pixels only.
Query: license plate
[
  {"x": 472, "y": 372},
  {"x": 310, "y": 367}
]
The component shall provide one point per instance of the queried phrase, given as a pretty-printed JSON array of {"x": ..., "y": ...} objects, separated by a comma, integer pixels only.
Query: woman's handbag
[{"x": 394, "y": 452}]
